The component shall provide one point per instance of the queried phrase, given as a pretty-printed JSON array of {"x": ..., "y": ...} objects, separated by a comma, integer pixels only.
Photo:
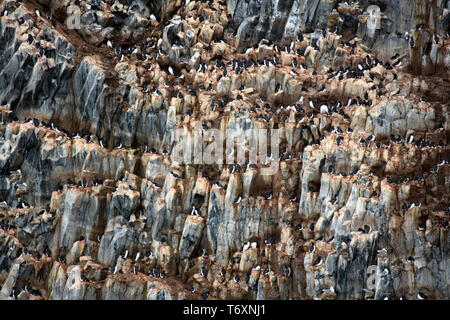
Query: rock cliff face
[
  {"x": 274, "y": 19},
  {"x": 94, "y": 205}
]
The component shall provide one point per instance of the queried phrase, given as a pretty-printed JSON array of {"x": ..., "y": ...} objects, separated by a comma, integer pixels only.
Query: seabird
[
  {"x": 277, "y": 87},
  {"x": 47, "y": 252},
  {"x": 318, "y": 261},
  {"x": 397, "y": 63},
  {"x": 257, "y": 267},
  {"x": 194, "y": 211},
  {"x": 28, "y": 288},
  {"x": 174, "y": 175},
  {"x": 436, "y": 38},
  {"x": 421, "y": 296},
  {"x": 62, "y": 258},
  {"x": 323, "y": 108},
  {"x": 202, "y": 252}
]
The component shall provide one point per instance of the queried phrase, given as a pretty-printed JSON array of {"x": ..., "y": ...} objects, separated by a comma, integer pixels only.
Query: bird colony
[{"x": 93, "y": 206}]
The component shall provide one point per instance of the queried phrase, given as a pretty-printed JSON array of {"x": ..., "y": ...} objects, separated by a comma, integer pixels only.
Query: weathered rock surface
[
  {"x": 94, "y": 205},
  {"x": 272, "y": 19}
]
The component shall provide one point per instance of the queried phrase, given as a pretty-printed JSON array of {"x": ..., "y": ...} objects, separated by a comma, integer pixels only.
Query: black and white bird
[{"x": 318, "y": 262}]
